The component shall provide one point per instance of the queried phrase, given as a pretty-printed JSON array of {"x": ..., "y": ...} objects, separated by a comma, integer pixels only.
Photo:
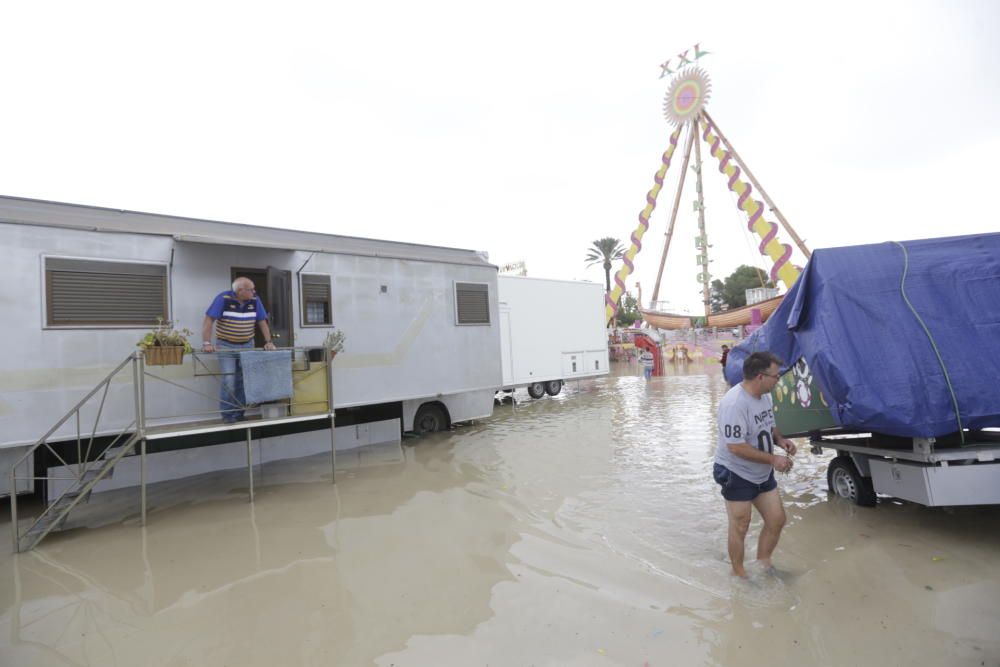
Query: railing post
[
  {"x": 142, "y": 477},
  {"x": 138, "y": 393},
  {"x": 13, "y": 508},
  {"x": 141, "y": 415},
  {"x": 79, "y": 451},
  {"x": 250, "y": 461},
  {"x": 330, "y": 356}
]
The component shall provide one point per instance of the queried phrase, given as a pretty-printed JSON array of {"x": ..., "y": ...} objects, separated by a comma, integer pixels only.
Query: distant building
[
  {"x": 758, "y": 294},
  {"x": 518, "y": 268}
]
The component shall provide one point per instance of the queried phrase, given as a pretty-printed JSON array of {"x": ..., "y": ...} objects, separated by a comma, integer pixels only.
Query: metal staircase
[
  {"x": 56, "y": 512},
  {"x": 98, "y": 451},
  {"x": 91, "y": 466}
]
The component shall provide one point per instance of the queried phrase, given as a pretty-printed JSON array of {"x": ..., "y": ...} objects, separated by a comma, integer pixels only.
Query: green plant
[
  {"x": 165, "y": 335},
  {"x": 334, "y": 342}
]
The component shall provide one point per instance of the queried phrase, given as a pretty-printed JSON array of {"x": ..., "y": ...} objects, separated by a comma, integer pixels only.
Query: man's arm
[
  {"x": 266, "y": 330},
  {"x": 747, "y": 451},
  {"x": 206, "y": 334},
  {"x": 782, "y": 441}
]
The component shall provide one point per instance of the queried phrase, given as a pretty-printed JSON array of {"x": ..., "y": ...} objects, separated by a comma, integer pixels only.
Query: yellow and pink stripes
[
  {"x": 779, "y": 253},
  {"x": 611, "y": 300}
]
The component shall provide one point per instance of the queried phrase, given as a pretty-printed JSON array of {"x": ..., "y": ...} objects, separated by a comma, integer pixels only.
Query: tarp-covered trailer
[{"x": 892, "y": 356}]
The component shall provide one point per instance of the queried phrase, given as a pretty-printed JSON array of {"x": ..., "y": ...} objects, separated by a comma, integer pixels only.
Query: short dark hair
[{"x": 758, "y": 363}]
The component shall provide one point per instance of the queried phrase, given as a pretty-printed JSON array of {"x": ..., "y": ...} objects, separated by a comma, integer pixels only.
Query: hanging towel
[{"x": 267, "y": 376}]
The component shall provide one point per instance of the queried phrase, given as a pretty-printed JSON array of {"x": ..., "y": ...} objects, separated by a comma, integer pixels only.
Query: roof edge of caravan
[{"x": 45, "y": 213}]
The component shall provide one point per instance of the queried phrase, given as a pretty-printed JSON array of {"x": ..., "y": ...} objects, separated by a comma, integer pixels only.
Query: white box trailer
[
  {"x": 82, "y": 284},
  {"x": 551, "y": 331}
]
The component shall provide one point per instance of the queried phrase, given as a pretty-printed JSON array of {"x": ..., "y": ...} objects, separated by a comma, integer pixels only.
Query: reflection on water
[{"x": 581, "y": 529}]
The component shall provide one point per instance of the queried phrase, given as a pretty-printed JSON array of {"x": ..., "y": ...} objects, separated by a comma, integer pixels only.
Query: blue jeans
[{"x": 231, "y": 397}]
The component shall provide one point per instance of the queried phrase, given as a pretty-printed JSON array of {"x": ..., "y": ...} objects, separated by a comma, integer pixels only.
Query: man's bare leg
[
  {"x": 773, "y": 512},
  {"x": 739, "y": 523}
]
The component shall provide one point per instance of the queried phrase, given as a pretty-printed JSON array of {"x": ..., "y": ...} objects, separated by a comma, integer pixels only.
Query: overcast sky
[{"x": 523, "y": 128}]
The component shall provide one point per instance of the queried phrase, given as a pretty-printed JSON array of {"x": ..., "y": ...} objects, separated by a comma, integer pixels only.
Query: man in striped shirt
[{"x": 234, "y": 314}]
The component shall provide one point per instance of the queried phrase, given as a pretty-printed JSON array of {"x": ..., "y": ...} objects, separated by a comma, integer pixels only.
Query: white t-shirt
[{"x": 743, "y": 418}]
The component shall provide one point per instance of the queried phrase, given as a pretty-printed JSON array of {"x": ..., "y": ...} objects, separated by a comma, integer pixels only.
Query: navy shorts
[{"x": 735, "y": 488}]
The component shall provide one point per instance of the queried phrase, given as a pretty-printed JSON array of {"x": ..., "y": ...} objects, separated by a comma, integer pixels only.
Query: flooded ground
[{"x": 579, "y": 530}]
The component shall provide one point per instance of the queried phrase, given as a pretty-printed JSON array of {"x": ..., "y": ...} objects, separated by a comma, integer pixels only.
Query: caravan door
[
  {"x": 274, "y": 287},
  {"x": 279, "y": 308}
]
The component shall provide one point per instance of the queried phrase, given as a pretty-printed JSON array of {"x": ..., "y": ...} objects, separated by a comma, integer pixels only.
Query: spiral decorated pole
[
  {"x": 611, "y": 299},
  {"x": 767, "y": 231}
]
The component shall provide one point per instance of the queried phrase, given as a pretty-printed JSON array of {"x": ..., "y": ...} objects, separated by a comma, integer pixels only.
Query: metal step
[
  {"x": 54, "y": 519},
  {"x": 59, "y": 510},
  {"x": 73, "y": 493},
  {"x": 112, "y": 452}
]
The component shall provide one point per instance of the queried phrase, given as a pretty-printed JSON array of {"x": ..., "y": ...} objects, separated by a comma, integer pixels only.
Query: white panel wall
[
  {"x": 551, "y": 321},
  {"x": 44, "y": 372},
  {"x": 398, "y": 316}
]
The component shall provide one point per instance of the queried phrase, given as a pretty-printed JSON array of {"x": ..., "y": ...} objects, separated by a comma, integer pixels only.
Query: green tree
[
  {"x": 605, "y": 251},
  {"x": 733, "y": 292},
  {"x": 628, "y": 310},
  {"x": 715, "y": 296}
]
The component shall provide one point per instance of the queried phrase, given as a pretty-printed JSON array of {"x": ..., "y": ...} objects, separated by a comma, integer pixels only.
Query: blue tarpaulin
[{"x": 848, "y": 317}]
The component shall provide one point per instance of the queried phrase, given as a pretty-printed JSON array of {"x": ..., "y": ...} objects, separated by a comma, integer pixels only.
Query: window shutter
[
  {"x": 473, "y": 303},
  {"x": 316, "y": 305},
  {"x": 88, "y": 292},
  {"x": 316, "y": 290}
]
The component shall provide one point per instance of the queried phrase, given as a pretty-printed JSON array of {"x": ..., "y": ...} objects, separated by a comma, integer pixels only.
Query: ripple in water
[{"x": 626, "y": 463}]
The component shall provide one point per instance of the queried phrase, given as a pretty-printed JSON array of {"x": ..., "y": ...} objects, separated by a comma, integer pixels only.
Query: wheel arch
[{"x": 440, "y": 405}]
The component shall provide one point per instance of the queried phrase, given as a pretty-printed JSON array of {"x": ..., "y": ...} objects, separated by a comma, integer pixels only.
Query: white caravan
[
  {"x": 551, "y": 331},
  {"x": 82, "y": 284}
]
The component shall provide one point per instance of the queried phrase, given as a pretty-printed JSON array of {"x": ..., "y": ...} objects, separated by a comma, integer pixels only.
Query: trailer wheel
[
  {"x": 536, "y": 390},
  {"x": 845, "y": 480},
  {"x": 554, "y": 387},
  {"x": 430, "y": 418}
]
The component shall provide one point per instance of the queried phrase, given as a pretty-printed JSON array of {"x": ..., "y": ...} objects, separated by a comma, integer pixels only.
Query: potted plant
[
  {"x": 334, "y": 343},
  {"x": 165, "y": 345}
]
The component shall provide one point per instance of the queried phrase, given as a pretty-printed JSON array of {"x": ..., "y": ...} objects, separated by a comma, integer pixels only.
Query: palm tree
[{"x": 605, "y": 250}]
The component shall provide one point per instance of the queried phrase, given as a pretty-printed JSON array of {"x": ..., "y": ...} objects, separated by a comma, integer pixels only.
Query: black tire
[
  {"x": 536, "y": 390},
  {"x": 430, "y": 418},
  {"x": 553, "y": 387},
  {"x": 844, "y": 480}
]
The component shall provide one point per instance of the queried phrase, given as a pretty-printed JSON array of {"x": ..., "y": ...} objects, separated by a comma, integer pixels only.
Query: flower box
[{"x": 164, "y": 355}]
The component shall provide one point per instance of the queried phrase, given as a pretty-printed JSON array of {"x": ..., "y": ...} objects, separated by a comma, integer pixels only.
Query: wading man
[
  {"x": 745, "y": 460},
  {"x": 234, "y": 315}
]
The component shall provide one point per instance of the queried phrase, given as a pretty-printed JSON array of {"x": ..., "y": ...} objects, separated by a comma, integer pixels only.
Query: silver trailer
[{"x": 83, "y": 284}]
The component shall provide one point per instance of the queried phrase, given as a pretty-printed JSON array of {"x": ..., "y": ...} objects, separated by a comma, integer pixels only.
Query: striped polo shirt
[{"x": 235, "y": 321}]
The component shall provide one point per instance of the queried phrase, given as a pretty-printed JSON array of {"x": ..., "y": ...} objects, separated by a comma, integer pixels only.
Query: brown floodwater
[{"x": 578, "y": 530}]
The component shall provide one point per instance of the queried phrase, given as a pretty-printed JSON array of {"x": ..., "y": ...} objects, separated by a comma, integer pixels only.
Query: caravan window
[
  {"x": 87, "y": 292},
  {"x": 472, "y": 303},
  {"x": 316, "y": 306}
]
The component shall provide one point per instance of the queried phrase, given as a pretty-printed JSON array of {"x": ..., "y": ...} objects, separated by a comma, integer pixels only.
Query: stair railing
[{"x": 90, "y": 467}]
